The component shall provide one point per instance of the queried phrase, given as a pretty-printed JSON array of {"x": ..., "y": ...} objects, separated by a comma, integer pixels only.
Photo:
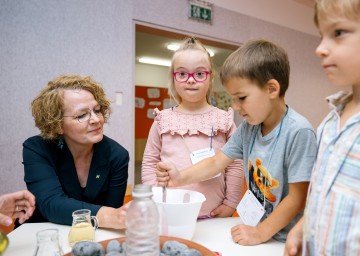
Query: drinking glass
[{"x": 48, "y": 243}]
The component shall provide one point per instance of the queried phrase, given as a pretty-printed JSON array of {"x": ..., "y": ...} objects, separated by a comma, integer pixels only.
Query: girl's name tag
[
  {"x": 198, "y": 155},
  {"x": 250, "y": 209}
]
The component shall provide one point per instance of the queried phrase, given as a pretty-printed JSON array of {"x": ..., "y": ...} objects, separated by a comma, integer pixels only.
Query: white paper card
[
  {"x": 250, "y": 209},
  {"x": 198, "y": 155}
]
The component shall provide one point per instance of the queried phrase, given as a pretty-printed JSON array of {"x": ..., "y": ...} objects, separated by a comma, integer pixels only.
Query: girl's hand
[
  {"x": 167, "y": 175},
  {"x": 246, "y": 235},
  {"x": 222, "y": 211}
]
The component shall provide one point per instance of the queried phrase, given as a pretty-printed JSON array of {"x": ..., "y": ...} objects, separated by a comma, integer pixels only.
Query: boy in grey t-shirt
[
  {"x": 285, "y": 155},
  {"x": 277, "y": 144}
]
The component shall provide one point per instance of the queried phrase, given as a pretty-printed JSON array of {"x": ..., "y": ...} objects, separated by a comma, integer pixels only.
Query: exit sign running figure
[{"x": 200, "y": 10}]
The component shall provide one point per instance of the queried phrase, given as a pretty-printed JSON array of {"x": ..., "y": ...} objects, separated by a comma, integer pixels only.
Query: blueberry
[
  {"x": 190, "y": 252},
  {"x": 87, "y": 248},
  {"x": 114, "y": 246},
  {"x": 173, "y": 248},
  {"x": 113, "y": 253}
]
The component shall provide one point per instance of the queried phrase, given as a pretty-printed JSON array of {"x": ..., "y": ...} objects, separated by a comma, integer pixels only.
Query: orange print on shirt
[{"x": 264, "y": 181}]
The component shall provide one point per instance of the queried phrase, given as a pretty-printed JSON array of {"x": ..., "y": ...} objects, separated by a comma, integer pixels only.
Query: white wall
[
  {"x": 294, "y": 14},
  {"x": 41, "y": 39}
]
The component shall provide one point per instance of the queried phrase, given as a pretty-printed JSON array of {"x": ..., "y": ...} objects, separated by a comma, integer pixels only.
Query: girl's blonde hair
[
  {"x": 191, "y": 43},
  {"x": 325, "y": 9},
  {"x": 48, "y": 106}
]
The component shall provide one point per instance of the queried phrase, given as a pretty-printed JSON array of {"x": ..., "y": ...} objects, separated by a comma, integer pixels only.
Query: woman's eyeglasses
[
  {"x": 86, "y": 115},
  {"x": 183, "y": 77}
]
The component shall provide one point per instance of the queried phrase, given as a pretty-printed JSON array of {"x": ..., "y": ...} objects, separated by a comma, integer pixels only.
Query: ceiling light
[
  {"x": 174, "y": 47},
  {"x": 211, "y": 53},
  {"x": 155, "y": 61}
]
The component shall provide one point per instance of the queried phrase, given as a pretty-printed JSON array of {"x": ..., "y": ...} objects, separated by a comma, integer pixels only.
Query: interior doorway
[{"x": 152, "y": 43}]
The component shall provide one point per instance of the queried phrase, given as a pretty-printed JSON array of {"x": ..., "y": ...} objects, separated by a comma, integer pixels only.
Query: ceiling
[{"x": 152, "y": 42}]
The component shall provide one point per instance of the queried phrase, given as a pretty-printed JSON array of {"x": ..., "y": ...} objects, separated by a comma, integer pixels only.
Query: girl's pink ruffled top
[{"x": 195, "y": 129}]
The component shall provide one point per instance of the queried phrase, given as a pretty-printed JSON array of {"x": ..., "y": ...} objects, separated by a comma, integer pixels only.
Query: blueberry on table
[
  {"x": 173, "y": 248},
  {"x": 113, "y": 253},
  {"x": 114, "y": 246},
  {"x": 87, "y": 248},
  {"x": 190, "y": 252}
]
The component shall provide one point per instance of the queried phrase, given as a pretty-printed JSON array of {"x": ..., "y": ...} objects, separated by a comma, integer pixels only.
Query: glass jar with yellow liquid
[
  {"x": 82, "y": 228},
  {"x": 4, "y": 242}
]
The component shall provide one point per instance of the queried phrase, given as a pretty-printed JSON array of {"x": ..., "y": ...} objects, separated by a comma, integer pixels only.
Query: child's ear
[{"x": 273, "y": 87}]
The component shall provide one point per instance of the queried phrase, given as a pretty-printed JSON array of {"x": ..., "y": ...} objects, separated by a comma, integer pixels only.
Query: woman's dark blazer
[{"x": 51, "y": 176}]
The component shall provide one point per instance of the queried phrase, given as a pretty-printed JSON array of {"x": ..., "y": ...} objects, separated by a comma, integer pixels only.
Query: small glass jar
[
  {"x": 82, "y": 228},
  {"x": 4, "y": 242},
  {"x": 48, "y": 243}
]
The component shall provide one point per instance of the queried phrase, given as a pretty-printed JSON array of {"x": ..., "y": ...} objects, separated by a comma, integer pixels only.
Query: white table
[
  {"x": 211, "y": 233},
  {"x": 215, "y": 235}
]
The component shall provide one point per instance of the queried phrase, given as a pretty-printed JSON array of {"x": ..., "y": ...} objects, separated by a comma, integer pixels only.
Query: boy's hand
[
  {"x": 167, "y": 175},
  {"x": 222, "y": 211},
  {"x": 293, "y": 246},
  {"x": 246, "y": 235}
]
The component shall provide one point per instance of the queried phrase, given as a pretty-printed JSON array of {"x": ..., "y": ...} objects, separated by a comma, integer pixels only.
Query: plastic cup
[{"x": 178, "y": 215}]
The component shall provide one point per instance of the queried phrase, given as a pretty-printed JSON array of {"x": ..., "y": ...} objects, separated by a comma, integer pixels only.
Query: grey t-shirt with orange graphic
[{"x": 285, "y": 155}]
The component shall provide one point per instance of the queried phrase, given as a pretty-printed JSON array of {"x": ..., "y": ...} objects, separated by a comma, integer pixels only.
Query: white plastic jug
[{"x": 179, "y": 213}]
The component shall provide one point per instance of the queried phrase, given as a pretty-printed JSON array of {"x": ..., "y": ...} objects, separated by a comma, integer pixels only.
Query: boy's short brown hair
[{"x": 259, "y": 61}]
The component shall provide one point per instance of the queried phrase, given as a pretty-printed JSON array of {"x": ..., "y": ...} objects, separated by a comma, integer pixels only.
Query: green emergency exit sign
[{"x": 201, "y": 11}]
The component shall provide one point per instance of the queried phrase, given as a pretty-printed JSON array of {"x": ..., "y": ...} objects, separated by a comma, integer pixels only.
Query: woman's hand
[
  {"x": 109, "y": 217},
  {"x": 19, "y": 204}
]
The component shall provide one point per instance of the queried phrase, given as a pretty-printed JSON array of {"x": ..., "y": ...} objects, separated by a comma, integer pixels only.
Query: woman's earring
[{"x": 61, "y": 143}]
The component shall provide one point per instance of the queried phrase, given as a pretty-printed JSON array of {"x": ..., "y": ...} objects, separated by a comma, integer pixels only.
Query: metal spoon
[{"x": 164, "y": 194}]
